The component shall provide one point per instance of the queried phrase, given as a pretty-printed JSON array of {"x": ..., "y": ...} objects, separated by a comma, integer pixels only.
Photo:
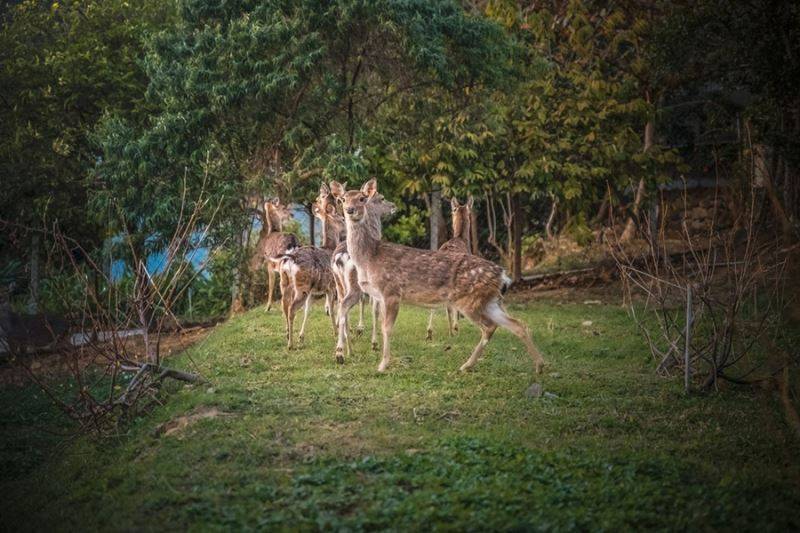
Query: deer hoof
[
  {"x": 465, "y": 367},
  {"x": 429, "y": 336},
  {"x": 302, "y": 338},
  {"x": 539, "y": 366},
  {"x": 374, "y": 346},
  {"x": 339, "y": 358},
  {"x": 382, "y": 367},
  {"x": 359, "y": 331}
]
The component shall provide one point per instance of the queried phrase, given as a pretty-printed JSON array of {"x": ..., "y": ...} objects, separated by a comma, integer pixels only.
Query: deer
[
  {"x": 348, "y": 291},
  {"x": 273, "y": 243},
  {"x": 306, "y": 272},
  {"x": 460, "y": 244},
  {"x": 394, "y": 274}
]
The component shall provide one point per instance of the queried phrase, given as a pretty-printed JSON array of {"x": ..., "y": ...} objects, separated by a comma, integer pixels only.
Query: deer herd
[{"x": 354, "y": 265}]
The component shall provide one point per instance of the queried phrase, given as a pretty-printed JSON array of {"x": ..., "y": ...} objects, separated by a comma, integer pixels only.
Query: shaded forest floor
[{"x": 288, "y": 440}]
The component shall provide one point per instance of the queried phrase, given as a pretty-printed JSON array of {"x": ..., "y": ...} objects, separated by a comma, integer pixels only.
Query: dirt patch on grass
[{"x": 178, "y": 425}]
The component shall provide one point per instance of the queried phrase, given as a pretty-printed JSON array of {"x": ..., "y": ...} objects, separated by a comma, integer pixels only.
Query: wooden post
[{"x": 687, "y": 372}]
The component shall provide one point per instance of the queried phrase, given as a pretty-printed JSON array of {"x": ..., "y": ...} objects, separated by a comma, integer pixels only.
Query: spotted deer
[
  {"x": 344, "y": 270},
  {"x": 393, "y": 273},
  {"x": 305, "y": 273},
  {"x": 272, "y": 243},
  {"x": 459, "y": 244}
]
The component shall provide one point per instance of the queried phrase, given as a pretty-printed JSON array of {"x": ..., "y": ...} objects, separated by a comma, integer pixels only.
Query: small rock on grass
[{"x": 534, "y": 391}]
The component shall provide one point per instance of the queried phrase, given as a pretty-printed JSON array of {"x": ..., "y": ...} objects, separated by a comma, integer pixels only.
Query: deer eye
[{"x": 363, "y": 199}]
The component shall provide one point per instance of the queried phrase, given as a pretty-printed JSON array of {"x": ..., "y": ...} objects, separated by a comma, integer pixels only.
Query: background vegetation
[{"x": 556, "y": 114}]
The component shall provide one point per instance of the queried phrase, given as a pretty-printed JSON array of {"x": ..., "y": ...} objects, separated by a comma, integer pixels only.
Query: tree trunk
[
  {"x": 237, "y": 305},
  {"x": 775, "y": 201},
  {"x": 548, "y": 228},
  {"x": 33, "y": 297},
  {"x": 630, "y": 225},
  {"x": 311, "y": 224},
  {"x": 603, "y": 211},
  {"x": 517, "y": 229},
  {"x": 473, "y": 228},
  {"x": 435, "y": 217}
]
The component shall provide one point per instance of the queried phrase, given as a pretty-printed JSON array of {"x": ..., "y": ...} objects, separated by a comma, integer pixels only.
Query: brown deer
[
  {"x": 460, "y": 244},
  {"x": 306, "y": 272},
  {"x": 392, "y": 273},
  {"x": 272, "y": 243},
  {"x": 344, "y": 271}
]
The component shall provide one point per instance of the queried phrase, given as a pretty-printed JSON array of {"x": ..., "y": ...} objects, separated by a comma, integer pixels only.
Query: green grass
[{"x": 308, "y": 444}]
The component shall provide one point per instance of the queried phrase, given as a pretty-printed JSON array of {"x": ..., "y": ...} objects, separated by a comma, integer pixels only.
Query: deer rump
[
  {"x": 309, "y": 268},
  {"x": 431, "y": 278}
]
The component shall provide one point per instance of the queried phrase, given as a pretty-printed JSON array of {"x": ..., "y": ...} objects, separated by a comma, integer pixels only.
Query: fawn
[
  {"x": 392, "y": 273},
  {"x": 305, "y": 272},
  {"x": 459, "y": 244},
  {"x": 344, "y": 270},
  {"x": 272, "y": 243}
]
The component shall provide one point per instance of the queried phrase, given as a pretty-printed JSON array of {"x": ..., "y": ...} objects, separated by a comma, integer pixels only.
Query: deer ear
[
  {"x": 276, "y": 201},
  {"x": 324, "y": 190},
  {"x": 337, "y": 189},
  {"x": 369, "y": 188},
  {"x": 454, "y": 203},
  {"x": 470, "y": 201}
]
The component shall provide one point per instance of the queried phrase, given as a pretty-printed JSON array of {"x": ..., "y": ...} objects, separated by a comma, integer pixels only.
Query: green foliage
[
  {"x": 407, "y": 228},
  {"x": 64, "y": 65}
]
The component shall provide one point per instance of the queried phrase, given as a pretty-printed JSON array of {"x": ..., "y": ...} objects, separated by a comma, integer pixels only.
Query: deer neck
[
  {"x": 333, "y": 229},
  {"x": 461, "y": 228},
  {"x": 273, "y": 222},
  {"x": 363, "y": 240}
]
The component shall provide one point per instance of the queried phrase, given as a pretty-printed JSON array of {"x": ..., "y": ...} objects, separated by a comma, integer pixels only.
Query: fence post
[{"x": 687, "y": 373}]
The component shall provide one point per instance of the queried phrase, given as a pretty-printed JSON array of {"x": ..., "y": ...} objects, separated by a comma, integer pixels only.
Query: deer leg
[
  {"x": 487, "y": 330},
  {"x": 429, "y": 335},
  {"x": 299, "y": 299},
  {"x": 343, "y": 340},
  {"x": 286, "y": 301},
  {"x": 307, "y": 306},
  {"x": 334, "y": 316},
  {"x": 270, "y": 284},
  {"x": 452, "y": 326},
  {"x": 389, "y": 309},
  {"x": 375, "y": 325},
  {"x": 360, "y": 326},
  {"x": 499, "y": 316}
]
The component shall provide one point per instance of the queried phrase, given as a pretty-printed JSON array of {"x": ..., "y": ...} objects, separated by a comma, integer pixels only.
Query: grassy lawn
[{"x": 302, "y": 443}]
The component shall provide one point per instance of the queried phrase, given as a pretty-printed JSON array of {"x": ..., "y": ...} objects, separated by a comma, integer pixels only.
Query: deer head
[
  {"x": 461, "y": 217},
  {"x": 324, "y": 209},
  {"x": 276, "y": 214},
  {"x": 354, "y": 203}
]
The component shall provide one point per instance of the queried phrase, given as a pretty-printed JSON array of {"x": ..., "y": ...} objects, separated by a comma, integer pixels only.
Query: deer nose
[{"x": 351, "y": 210}]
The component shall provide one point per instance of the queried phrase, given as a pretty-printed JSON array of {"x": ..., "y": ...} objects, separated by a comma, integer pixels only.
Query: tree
[
  {"x": 64, "y": 65},
  {"x": 277, "y": 95}
]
